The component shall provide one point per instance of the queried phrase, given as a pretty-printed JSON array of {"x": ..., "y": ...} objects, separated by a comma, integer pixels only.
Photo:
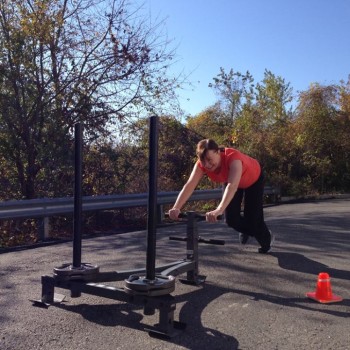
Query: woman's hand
[
  {"x": 174, "y": 214},
  {"x": 212, "y": 216}
]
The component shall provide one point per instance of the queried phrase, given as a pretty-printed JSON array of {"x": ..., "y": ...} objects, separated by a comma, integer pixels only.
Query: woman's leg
[
  {"x": 233, "y": 215},
  {"x": 254, "y": 213}
]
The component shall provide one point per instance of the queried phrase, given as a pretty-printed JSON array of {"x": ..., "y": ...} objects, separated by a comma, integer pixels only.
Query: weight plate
[
  {"x": 68, "y": 271},
  {"x": 161, "y": 285}
]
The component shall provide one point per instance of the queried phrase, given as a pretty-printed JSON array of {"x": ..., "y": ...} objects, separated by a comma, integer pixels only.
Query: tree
[
  {"x": 63, "y": 62},
  {"x": 212, "y": 123},
  {"x": 264, "y": 115},
  {"x": 234, "y": 89},
  {"x": 115, "y": 168},
  {"x": 343, "y": 135},
  {"x": 344, "y": 97},
  {"x": 176, "y": 151},
  {"x": 273, "y": 95},
  {"x": 318, "y": 136},
  {"x": 262, "y": 121},
  {"x": 273, "y": 104}
]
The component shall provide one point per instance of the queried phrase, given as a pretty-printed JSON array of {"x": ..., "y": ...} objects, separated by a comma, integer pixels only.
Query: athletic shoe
[
  {"x": 243, "y": 238},
  {"x": 268, "y": 250}
]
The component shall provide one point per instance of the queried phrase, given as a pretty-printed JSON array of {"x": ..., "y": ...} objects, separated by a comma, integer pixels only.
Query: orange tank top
[{"x": 250, "y": 168}]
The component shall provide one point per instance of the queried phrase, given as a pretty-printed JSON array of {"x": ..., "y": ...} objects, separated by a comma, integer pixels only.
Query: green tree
[
  {"x": 273, "y": 96},
  {"x": 343, "y": 123},
  {"x": 273, "y": 104},
  {"x": 344, "y": 97},
  {"x": 115, "y": 169},
  {"x": 212, "y": 123},
  {"x": 262, "y": 127},
  {"x": 176, "y": 151},
  {"x": 318, "y": 135},
  {"x": 233, "y": 89}
]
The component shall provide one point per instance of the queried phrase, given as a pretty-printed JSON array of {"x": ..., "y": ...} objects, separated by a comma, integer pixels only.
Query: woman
[{"x": 242, "y": 176}]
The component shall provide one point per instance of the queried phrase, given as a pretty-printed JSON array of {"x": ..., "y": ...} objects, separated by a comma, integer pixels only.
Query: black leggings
[{"x": 252, "y": 221}]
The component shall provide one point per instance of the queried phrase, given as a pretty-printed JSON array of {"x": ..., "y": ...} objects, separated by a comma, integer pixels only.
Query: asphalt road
[{"x": 249, "y": 301}]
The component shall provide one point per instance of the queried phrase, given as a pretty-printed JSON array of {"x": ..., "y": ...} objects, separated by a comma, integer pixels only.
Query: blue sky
[{"x": 302, "y": 41}]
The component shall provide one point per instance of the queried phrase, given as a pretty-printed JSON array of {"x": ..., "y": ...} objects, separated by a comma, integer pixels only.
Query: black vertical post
[
  {"x": 78, "y": 160},
  {"x": 192, "y": 245},
  {"x": 152, "y": 198}
]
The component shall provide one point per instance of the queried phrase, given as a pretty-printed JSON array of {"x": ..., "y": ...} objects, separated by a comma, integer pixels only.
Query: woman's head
[{"x": 208, "y": 152}]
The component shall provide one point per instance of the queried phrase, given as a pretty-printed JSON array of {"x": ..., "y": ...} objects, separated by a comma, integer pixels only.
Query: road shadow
[
  {"x": 194, "y": 336},
  {"x": 209, "y": 292},
  {"x": 300, "y": 263}
]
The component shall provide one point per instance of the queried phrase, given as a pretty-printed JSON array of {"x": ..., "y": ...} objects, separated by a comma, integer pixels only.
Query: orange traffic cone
[{"x": 323, "y": 292}]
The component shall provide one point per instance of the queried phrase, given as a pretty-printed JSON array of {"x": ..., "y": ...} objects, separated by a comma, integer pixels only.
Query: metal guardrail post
[{"x": 43, "y": 228}]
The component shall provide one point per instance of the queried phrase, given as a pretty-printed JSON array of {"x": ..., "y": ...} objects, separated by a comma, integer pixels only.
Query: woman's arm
[
  {"x": 234, "y": 177},
  {"x": 186, "y": 191}
]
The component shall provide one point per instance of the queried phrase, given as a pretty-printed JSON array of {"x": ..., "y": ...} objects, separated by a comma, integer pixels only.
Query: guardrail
[{"x": 44, "y": 208}]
